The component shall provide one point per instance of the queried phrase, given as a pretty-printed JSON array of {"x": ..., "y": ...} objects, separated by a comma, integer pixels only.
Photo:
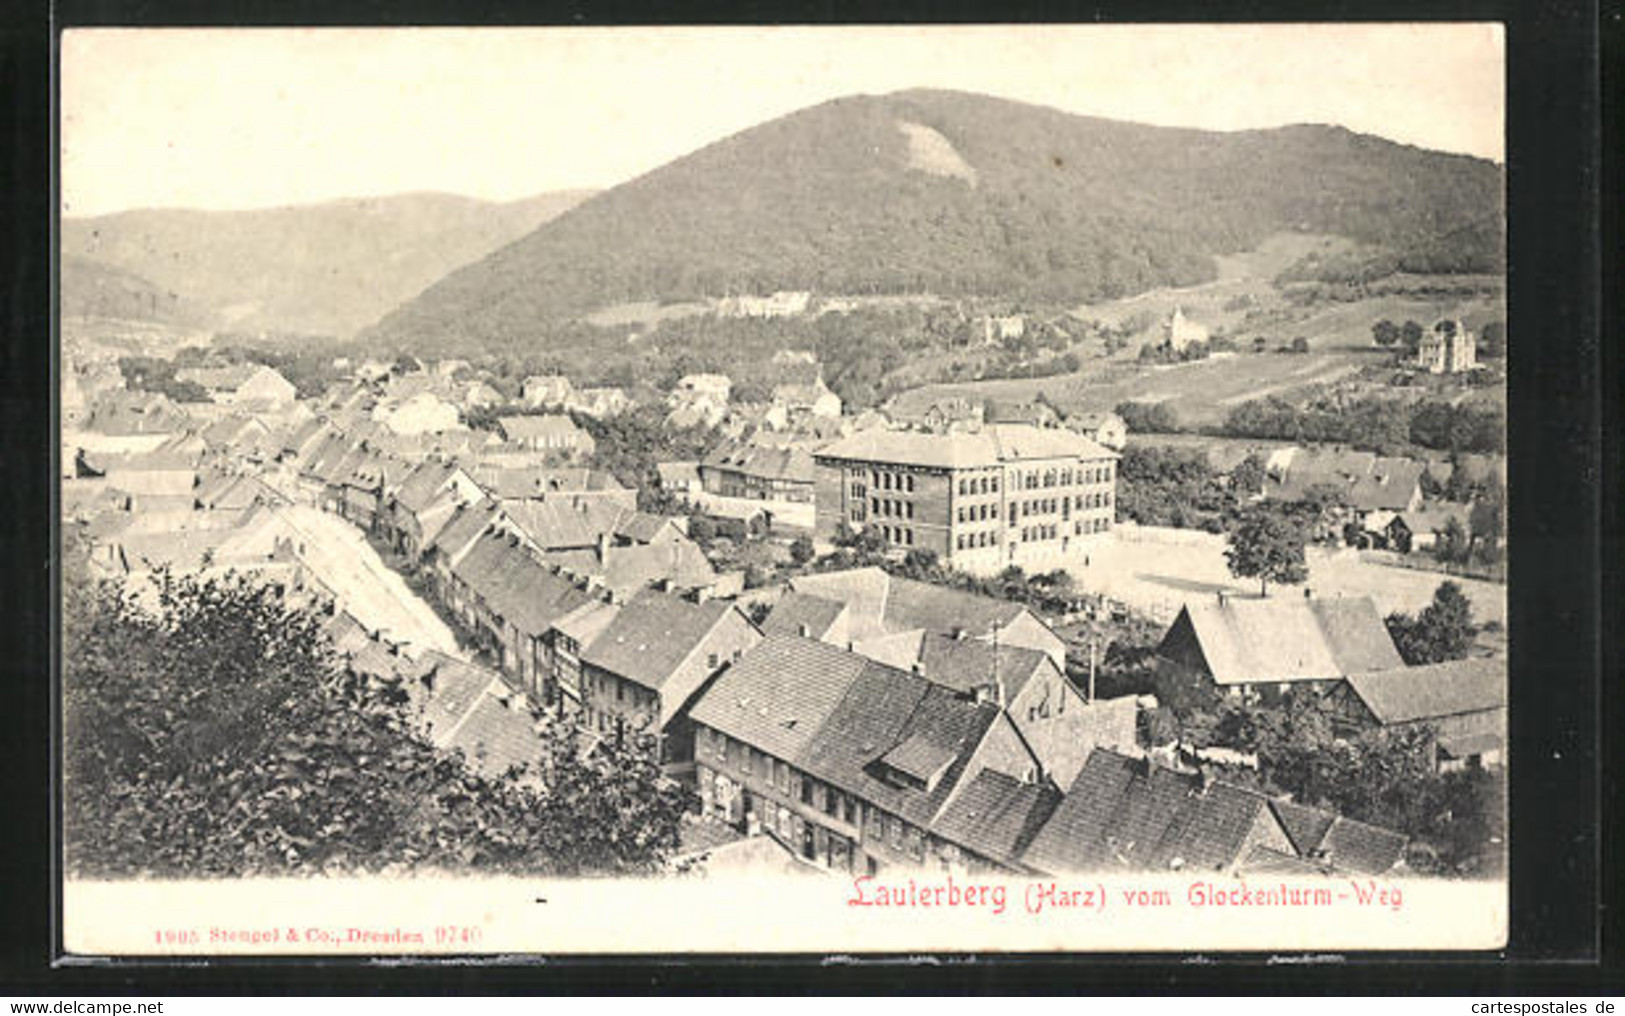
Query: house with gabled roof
[
  {"x": 645, "y": 668},
  {"x": 858, "y": 766},
  {"x": 749, "y": 470},
  {"x": 553, "y": 433},
  {"x": 1128, "y": 814},
  {"x": 464, "y": 707},
  {"x": 510, "y": 600},
  {"x": 429, "y": 491},
  {"x": 1247, "y": 646},
  {"x": 881, "y": 604},
  {"x": 1462, "y": 703}
]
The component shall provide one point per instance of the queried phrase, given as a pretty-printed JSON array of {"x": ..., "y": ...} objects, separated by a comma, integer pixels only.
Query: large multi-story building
[
  {"x": 981, "y": 501},
  {"x": 1448, "y": 349}
]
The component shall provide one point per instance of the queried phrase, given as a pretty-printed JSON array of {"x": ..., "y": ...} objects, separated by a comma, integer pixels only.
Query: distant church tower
[{"x": 1180, "y": 332}]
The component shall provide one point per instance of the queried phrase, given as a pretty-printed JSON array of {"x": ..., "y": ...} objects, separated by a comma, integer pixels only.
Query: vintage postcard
[{"x": 770, "y": 489}]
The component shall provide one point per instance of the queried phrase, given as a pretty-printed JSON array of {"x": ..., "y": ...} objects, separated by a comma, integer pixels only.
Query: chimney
[
  {"x": 1223, "y": 599},
  {"x": 1308, "y": 593},
  {"x": 603, "y": 547},
  {"x": 804, "y": 630},
  {"x": 998, "y": 684}
]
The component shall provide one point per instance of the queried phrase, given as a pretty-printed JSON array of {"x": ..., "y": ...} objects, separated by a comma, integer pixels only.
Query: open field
[{"x": 1159, "y": 570}]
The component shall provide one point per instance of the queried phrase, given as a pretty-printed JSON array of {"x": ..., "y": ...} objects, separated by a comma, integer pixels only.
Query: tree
[
  {"x": 1410, "y": 333},
  {"x": 1247, "y": 478},
  {"x": 1492, "y": 340},
  {"x": 1443, "y": 631},
  {"x": 209, "y": 730},
  {"x": 801, "y": 551},
  {"x": 1300, "y": 345},
  {"x": 1267, "y": 542},
  {"x": 1453, "y": 544},
  {"x": 1385, "y": 333}
]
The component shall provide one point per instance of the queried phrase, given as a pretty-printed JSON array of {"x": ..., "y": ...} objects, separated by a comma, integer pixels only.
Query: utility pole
[{"x": 1094, "y": 643}]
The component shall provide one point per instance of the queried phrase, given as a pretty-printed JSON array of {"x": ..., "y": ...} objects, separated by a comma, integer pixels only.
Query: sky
[{"x": 251, "y": 118}]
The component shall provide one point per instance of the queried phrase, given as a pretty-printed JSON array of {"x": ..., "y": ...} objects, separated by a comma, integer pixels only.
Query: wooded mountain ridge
[{"x": 960, "y": 195}]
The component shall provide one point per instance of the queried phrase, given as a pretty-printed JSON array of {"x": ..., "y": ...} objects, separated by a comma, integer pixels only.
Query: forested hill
[
  {"x": 958, "y": 194},
  {"x": 92, "y": 289},
  {"x": 328, "y": 268}
]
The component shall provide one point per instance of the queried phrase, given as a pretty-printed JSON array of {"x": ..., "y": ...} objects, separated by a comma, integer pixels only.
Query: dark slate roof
[
  {"x": 1132, "y": 814},
  {"x": 779, "y": 693},
  {"x": 796, "y": 611},
  {"x": 996, "y": 815},
  {"x": 1361, "y": 848},
  {"x": 516, "y": 586},
  {"x": 1287, "y": 639},
  {"x": 967, "y": 664},
  {"x": 884, "y": 708},
  {"x": 652, "y": 636},
  {"x": 1409, "y": 694},
  {"x": 1305, "y": 826}
]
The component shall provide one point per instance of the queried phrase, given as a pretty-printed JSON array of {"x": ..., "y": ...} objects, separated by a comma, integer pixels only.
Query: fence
[{"x": 1428, "y": 563}]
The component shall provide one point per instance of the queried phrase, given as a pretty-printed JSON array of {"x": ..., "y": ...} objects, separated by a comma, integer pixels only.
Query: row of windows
[
  {"x": 1031, "y": 534},
  {"x": 969, "y": 485},
  {"x": 778, "y": 774},
  {"x": 1035, "y": 479},
  {"x": 970, "y": 541},
  {"x": 886, "y": 506},
  {"x": 1094, "y": 525},
  {"x": 900, "y": 535},
  {"x": 978, "y": 512},
  {"x": 892, "y": 481}
]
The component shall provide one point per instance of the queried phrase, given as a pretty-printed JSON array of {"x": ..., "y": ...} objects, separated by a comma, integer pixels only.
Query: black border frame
[{"x": 1565, "y": 460}]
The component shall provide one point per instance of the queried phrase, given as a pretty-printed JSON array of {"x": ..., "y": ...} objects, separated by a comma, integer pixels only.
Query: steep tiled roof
[
  {"x": 1361, "y": 848},
  {"x": 518, "y": 588},
  {"x": 967, "y": 664},
  {"x": 884, "y": 708},
  {"x": 542, "y": 428},
  {"x": 560, "y": 523},
  {"x": 791, "y": 465},
  {"x": 802, "y": 614},
  {"x": 881, "y": 603},
  {"x": 1259, "y": 641},
  {"x": 465, "y": 524},
  {"x": 520, "y": 477},
  {"x": 997, "y": 815},
  {"x": 422, "y": 484},
  {"x": 1407, "y": 694},
  {"x": 779, "y": 693},
  {"x": 1305, "y": 826},
  {"x": 652, "y": 636},
  {"x": 624, "y": 570},
  {"x": 1131, "y": 814}
]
